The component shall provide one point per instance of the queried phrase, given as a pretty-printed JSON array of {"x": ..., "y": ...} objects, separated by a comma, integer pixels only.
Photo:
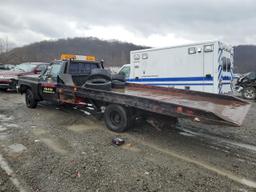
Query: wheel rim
[
  {"x": 115, "y": 118},
  {"x": 249, "y": 94}
]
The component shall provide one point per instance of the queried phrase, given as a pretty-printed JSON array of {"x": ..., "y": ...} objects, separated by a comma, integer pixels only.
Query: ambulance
[{"x": 206, "y": 67}]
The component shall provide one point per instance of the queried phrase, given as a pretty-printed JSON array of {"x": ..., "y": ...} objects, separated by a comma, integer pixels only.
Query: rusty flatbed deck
[{"x": 199, "y": 106}]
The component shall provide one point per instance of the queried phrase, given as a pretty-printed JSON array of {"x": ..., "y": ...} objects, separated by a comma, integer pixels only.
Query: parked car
[
  {"x": 246, "y": 85},
  {"x": 6, "y": 67},
  {"x": 8, "y": 79}
]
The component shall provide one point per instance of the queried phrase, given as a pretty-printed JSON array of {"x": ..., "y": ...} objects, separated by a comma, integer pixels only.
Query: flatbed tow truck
[{"x": 81, "y": 80}]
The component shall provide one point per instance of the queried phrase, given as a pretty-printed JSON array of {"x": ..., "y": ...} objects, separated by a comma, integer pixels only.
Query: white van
[{"x": 204, "y": 67}]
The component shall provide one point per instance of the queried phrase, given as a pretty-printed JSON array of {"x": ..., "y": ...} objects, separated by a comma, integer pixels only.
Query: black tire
[
  {"x": 97, "y": 81},
  {"x": 100, "y": 74},
  {"x": 119, "y": 77},
  {"x": 117, "y": 118},
  {"x": 249, "y": 93},
  {"x": 30, "y": 99},
  {"x": 3, "y": 89},
  {"x": 118, "y": 84},
  {"x": 102, "y": 86}
]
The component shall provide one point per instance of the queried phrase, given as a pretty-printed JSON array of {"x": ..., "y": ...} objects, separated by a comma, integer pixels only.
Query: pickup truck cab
[{"x": 44, "y": 87}]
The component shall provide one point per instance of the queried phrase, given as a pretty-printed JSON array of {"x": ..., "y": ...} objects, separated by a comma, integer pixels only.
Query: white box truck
[{"x": 206, "y": 67}]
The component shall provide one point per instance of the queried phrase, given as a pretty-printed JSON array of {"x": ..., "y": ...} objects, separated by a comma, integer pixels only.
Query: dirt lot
[{"x": 54, "y": 148}]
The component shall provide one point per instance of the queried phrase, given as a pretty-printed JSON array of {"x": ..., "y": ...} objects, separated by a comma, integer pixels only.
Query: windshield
[
  {"x": 126, "y": 71},
  {"x": 25, "y": 67}
]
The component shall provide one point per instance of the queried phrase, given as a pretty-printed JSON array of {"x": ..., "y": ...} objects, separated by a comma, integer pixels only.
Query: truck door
[
  {"x": 49, "y": 81},
  {"x": 208, "y": 68}
]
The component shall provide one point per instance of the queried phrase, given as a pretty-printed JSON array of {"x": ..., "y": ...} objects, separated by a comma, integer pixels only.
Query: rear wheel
[
  {"x": 30, "y": 99},
  {"x": 117, "y": 118},
  {"x": 249, "y": 93}
]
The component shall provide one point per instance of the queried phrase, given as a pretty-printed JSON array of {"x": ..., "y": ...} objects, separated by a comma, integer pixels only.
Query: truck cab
[
  {"x": 126, "y": 71},
  {"x": 69, "y": 70}
]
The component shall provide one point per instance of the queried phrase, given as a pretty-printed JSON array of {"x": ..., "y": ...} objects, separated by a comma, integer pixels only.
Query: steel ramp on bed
[{"x": 197, "y": 106}]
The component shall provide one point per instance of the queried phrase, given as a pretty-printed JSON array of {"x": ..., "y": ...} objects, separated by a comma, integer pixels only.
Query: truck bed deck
[{"x": 198, "y": 106}]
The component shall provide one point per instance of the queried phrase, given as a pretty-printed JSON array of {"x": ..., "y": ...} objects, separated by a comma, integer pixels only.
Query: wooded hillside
[{"x": 114, "y": 53}]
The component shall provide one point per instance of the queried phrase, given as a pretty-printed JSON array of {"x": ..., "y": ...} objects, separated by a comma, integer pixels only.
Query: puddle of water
[
  {"x": 39, "y": 131},
  {"x": 3, "y": 136},
  {"x": 80, "y": 128},
  {"x": 130, "y": 147},
  {"x": 17, "y": 148},
  {"x": 186, "y": 134},
  {"x": 88, "y": 125},
  {"x": 11, "y": 125},
  {"x": 2, "y": 129},
  {"x": 5, "y": 118},
  {"x": 56, "y": 147}
]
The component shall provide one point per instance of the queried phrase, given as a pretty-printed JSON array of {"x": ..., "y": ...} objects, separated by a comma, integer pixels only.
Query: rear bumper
[
  {"x": 4, "y": 86},
  {"x": 7, "y": 84}
]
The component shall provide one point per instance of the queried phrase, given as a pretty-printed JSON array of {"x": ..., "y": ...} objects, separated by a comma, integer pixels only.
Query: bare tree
[
  {"x": 4, "y": 45},
  {"x": 4, "y": 48}
]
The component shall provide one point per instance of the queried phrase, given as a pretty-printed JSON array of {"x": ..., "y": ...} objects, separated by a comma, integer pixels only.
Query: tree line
[{"x": 114, "y": 53}]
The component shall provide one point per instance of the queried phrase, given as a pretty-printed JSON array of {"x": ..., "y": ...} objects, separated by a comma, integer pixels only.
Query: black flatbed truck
[{"x": 121, "y": 107}]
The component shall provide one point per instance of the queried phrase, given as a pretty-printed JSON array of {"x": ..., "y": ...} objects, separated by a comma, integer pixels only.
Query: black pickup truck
[{"x": 80, "y": 82}]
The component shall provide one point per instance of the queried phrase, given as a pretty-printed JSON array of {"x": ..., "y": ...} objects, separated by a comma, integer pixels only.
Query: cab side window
[
  {"x": 55, "y": 70},
  {"x": 77, "y": 68},
  {"x": 126, "y": 72},
  {"x": 74, "y": 68},
  {"x": 41, "y": 68}
]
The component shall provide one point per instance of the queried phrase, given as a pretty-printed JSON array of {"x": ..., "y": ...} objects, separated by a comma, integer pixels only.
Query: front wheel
[
  {"x": 30, "y": 99},
  {"x": 249, "y": 93},
  {"x": 117, "y": 118}
]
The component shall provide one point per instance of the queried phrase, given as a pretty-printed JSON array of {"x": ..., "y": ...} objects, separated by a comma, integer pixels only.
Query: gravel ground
[{"x": 56, "y": 148}]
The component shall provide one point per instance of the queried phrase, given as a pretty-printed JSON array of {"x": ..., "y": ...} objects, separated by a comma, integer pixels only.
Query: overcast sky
[{"x": 146, "y": 22}]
